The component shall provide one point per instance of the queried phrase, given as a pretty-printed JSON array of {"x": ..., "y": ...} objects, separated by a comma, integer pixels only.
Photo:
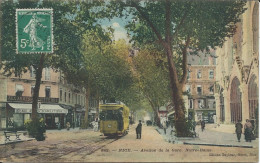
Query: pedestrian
[
  {"x": 172, "y": 127},
  {"x": 248, "y": 131},
  {"x": 59, "y": 127},
  {"x": 239, "y": 127},
  {"x": 202, "y": 125},
  {"x": 68, "y": 125},
  {"x": 194, "y": 125},
  {"x": 95, "y": 126},
  {"x": 139, "y": 130},
  {"x": 73, "y": 125},
  {"x": 164, "y": 127}
]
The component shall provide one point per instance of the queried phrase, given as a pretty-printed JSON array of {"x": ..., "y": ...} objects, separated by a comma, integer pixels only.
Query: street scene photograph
[{"x": 129, "y": 81}]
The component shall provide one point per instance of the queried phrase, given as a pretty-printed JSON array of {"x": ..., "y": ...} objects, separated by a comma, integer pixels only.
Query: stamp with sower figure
[{"x": 34, "y": 32}]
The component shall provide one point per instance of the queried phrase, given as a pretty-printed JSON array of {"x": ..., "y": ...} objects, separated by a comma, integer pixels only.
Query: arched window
[
  {"x": 235, "y": 101},
  {"x": 252, "y": 97}
]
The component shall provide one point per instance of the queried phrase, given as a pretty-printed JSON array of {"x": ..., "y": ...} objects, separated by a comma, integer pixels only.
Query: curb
[
  {"x": 157, "y": 131},
  {"x": 221, "y": 145},
  {"x": 17, "y": 141}
]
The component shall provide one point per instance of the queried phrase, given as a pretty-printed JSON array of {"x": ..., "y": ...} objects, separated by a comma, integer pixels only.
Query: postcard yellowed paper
[{"x": 129, "y": 81}]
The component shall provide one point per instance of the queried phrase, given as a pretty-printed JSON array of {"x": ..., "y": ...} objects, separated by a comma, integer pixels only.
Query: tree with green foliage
[
  {"x": 69, "y": 24},
  {"x": 177, "y": 25},
  {"x": 153, "y": 78},
  {"x": 105, "y": 72}
]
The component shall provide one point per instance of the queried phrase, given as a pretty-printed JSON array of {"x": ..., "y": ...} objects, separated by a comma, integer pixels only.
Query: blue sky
[{"x": 118, "y": 24}]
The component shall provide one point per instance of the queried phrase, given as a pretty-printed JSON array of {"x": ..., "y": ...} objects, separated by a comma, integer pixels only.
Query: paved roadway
[
  {"x": 153, "y": 148},
  {"x": 89, "y": 146}
]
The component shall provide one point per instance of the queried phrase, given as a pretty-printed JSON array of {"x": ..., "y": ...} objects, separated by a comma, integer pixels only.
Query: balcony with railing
[{"x": 29, "y": 99}]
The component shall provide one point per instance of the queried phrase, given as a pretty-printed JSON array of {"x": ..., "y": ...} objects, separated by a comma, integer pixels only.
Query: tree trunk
[
  {"x": 85, "y": 124},
  {"x": 176, "y": 86},
  {"x": 97, "y": 109},
  {"x": 37, "y": 87},
  {"x": 177, "y": 99},
  {"x": 156, "y": 118}
]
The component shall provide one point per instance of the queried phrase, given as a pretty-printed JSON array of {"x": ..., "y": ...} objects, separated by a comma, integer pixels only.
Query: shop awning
[
  {"x": 45, "y": 108},
  {"x": 92, "y": 112}
]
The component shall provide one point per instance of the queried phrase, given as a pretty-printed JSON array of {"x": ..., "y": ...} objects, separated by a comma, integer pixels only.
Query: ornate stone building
[
  {"x": 237, "y": 70},
  {"x": 200, "y": 86}
]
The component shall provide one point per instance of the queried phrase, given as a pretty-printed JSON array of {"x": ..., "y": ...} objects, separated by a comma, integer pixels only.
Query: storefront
[
  {"x": 79, "y": 113},
  {"x": 18, "y": 113},
  {"x": 70, "y": 116},
  {"x": 205, "y": 115},
  {"x": 92, "y": 115}
]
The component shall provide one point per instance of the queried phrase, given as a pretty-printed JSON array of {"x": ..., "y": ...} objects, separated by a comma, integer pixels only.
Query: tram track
[
  {"x": 58, "y": 151},
  {"x": 82, "y": 151}
]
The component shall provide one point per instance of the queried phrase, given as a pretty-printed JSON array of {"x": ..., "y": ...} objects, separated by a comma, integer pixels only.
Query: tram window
[
  {"x": 102, "y": 115},
  {"x": 110, "y": 115}
]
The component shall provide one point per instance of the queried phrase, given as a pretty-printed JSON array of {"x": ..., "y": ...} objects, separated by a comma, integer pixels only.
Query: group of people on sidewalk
[{"x": 248, "y": 130}]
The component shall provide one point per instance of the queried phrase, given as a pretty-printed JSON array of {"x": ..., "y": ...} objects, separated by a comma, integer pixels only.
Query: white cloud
[
  {"x": 116, "y": 25},
  {"x": 120, "y": 35}
]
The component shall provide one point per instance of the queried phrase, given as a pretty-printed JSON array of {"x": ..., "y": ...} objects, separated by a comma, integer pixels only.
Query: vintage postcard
[{"x": 129, "y": 81}]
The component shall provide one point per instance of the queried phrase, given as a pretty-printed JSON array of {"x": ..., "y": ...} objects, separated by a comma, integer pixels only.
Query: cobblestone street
[{"x": 56, "y": 145}]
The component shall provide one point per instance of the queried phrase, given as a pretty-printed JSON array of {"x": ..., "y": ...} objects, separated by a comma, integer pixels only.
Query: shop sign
[
  {"x": 23, "y": 110},
  {"x": 29, "y": 99},
  {"x": 52, "y": 111},
  {"x": 19, "y": 98}
]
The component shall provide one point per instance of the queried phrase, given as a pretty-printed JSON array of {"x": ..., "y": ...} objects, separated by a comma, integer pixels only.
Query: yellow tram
[{"x": 114, "y": 119}]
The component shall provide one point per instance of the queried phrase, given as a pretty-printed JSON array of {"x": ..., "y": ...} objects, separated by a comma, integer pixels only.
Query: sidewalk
[
  {"x": 26, "y": 137},
  {"x": 210, "y": 138},
  {"x": 13, "y": 139},
  {"x": 227, "y": 128}
]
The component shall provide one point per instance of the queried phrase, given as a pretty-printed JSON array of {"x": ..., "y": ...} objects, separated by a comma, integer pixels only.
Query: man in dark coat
[
  {"x": 202, "y": 125},
  {"x": 139, "y": 130},
  {"x": 239, "y": 127},
  {"x": 194, "y": 123}
]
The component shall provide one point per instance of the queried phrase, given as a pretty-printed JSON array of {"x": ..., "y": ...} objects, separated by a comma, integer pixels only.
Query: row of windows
[
  {"x": 199, "y": 74},
  {"x": 201, "y": 104},
  {"x": 47, "y": 73},
  {"x": 199, "y": 89},
  {"x": 69, "y": 97},
  {"x": 19, "y": 90}
]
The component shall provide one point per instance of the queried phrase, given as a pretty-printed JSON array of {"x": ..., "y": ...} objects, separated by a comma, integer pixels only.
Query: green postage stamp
[{"x": 34, "y": 32}]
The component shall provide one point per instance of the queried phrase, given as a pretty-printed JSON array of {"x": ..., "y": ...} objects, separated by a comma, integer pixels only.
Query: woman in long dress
[{"x": 248, "y": 131}]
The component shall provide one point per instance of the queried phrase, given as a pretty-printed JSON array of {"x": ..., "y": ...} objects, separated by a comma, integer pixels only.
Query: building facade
[
  {"x": 237, "y": 69},
  {"x": 200, "y": 86},
  {"x": 59, "y": 101}
]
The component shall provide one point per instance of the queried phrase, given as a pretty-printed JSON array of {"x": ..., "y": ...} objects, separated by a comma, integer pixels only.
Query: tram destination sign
[{"x": 34, "y": 32}]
